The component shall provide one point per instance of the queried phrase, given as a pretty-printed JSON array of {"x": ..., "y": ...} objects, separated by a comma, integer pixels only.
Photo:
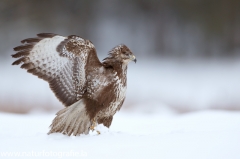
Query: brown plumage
[{"x": 90, "y": 90}]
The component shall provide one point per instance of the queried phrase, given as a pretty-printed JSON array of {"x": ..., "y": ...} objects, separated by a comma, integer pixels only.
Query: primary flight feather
[{"x": 91, "y": 91}]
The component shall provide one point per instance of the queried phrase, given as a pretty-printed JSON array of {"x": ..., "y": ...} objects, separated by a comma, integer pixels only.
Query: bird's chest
[{"x": 119, "y": 90}]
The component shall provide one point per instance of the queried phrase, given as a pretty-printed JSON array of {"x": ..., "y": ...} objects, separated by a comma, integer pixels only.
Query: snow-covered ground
[{"x": 199, "y": 135}]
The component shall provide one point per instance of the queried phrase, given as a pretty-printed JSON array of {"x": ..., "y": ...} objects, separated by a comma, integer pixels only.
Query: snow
[{"x": 198, "y": 135}]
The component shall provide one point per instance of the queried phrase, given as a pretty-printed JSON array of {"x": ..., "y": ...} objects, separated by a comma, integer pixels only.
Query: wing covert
[{"x": 62, "y": 61}]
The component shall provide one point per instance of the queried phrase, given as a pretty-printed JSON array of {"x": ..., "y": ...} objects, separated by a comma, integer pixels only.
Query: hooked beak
[{"x": 133, "y": 58}]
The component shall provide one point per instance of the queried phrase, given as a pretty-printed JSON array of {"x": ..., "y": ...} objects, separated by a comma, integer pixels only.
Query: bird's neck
[
  {"x": 119, "y": 67},
  {"x": 121, "y": 70}
]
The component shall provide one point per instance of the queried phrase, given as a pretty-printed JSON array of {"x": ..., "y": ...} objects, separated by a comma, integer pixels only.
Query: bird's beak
[{"x": 133, "y": 58}]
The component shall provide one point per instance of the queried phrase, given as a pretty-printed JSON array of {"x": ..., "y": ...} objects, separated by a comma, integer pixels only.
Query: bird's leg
[{"x": 94, "y": 124}]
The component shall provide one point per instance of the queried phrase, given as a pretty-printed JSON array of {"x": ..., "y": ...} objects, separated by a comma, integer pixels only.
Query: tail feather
[
  {"x": 71, "y": 127},
  {"x": 71, "y": 120}
]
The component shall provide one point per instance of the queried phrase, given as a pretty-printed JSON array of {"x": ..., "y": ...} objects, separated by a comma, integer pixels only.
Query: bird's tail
[{"x": 71, "y": 120}]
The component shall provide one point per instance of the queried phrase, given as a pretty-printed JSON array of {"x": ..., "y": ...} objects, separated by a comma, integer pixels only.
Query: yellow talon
[
  {"x": 92, "y": 127},
  {"x": 93, "y": 124}
]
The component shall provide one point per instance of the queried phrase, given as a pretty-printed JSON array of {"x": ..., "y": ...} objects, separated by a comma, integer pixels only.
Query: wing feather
[{"x": 62, "y": 61}]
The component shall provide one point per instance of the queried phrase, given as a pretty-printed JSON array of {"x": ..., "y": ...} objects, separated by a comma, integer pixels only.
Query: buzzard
[{"x": 91, "y": 91}]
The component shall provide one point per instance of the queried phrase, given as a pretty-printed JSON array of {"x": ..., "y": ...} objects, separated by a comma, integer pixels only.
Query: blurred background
[{"x": 188, "y": 51}]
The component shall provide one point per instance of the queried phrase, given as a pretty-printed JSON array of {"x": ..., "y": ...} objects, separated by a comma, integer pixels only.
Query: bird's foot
[{"x": 92, "y": 127}]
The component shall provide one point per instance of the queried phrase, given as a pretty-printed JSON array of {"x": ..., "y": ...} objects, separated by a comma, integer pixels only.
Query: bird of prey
[{"x": 91, "y": 91}]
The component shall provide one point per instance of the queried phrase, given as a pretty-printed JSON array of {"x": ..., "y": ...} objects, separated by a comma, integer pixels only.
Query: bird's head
[{"x": 120, "y": 54}]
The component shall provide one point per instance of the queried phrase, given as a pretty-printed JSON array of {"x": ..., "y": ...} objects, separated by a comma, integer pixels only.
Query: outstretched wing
[{"x": 62, "y": 61}]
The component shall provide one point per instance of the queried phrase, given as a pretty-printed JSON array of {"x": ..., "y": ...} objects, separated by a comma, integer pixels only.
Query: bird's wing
[{"x": 62, "y": 61}]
